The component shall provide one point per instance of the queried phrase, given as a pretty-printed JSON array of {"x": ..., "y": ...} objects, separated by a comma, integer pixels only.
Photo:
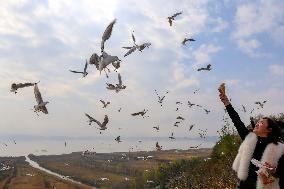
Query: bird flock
[{"x": 102, "y": 61}]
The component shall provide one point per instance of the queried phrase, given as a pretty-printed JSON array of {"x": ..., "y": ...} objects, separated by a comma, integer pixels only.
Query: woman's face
[{"x": 261, "y": 128}]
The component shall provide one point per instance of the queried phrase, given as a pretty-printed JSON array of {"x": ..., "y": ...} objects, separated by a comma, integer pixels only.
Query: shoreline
[{"x": 118, "y": 152}]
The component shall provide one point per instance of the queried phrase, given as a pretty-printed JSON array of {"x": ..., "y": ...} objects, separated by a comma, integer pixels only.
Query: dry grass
[{"x": 20, "y": 179}]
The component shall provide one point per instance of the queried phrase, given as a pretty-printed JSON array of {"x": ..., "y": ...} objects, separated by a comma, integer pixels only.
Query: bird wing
[
  {"x": 133, "y": 38},
  {"x": 86, "y": 66},
  {"x": 179, "y": 117},
  {"x": 244, "y": 108},
  {"x": 110, "y": 85},
  {"x": 89, "y": 117},
  {"x": 176, "y": 14},
  {"x": 119, "y": 79},
  {"x": 127, "y": 47},
  {"x": 130, "y": 51},
  {"x": 105, "y": 121},
  {"x": 103, "y": 102},
  {"x": 135, "y": 114},
  {"x": 75, "y": 71},
  {"x": 184, "y": 41},
  {"x": 37, "y": 94},
  {"x": 22, "y": 85},
  {"x": 107, "y": 33},
  {"x": 93, "y": 119}
]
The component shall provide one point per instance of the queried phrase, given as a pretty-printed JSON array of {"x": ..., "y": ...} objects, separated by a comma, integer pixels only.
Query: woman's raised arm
[{"x": 240, "y": 126}]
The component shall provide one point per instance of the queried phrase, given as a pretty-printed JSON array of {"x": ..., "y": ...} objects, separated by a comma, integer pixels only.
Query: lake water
[{"x": 55, "y": 146}]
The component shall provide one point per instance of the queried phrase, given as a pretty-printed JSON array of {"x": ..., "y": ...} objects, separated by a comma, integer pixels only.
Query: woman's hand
[
  {"x": 224, "y": 99},
  {"x": 267, "y": 178},
  {"x": 270, "y": 169}
]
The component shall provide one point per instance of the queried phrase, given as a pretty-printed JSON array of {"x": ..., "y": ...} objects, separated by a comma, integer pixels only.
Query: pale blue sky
[{"x": 42, "y": 40}]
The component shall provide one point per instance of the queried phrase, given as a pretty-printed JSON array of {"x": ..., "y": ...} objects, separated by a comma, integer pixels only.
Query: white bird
[
  {"x": 84, "y": 73},
  {"x": 179, "y": 117},
  {"x": 135, "y": 46},
  {"x": 104, "y": 103},
  {"x": 120, "y": 86},
  {"x": 244, "y": 109},
  {"x": 161, "y": 98},
  {"x": 107, "y": 59},
  {"x": 186, "y": 40},
  {"x": 208, "y": 68},
  {"x": 171, "y": 18},
  {"x": 157, "y": 128},
  {"x": 110, "y": 86},
  {"x": 206, "y": 111},
  {"x": 190, "y": 104},
  {"x": 142, "y": 113},
  {"x": 107, "y": 34},
  {"x": 172, "y": 136},
  {"x": 101, "y": 125},
  {"x": 261, "y": 103},
  {"x": 117, "y": 139},
  {"x": 190, "y": 127},
  {"x": 158, "y": 147},
  {"x": 195, "y": 91},
  {"x": 176, "y": 123},
  {"x": 41, "y": 105}
]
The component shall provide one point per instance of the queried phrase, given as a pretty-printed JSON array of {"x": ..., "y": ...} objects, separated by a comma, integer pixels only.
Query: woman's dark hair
[{"x": 276, "y": 134}]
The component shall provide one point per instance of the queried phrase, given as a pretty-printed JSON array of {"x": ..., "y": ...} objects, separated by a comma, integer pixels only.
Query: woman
[{"x": 263, "y": 143}]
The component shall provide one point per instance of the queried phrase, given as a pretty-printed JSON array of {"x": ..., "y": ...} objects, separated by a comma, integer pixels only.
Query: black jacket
[{"x": 250, "y": 182}]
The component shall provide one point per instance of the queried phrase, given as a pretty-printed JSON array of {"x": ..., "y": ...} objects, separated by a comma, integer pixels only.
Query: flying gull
[
  {"x": 142, "y": 113},
  {"x": 157, "y": 128},
  {"x": 186, "y": 40},
  {"x": 207, "y": 68},
  {"x": 117, "y": 139},
  {"x": 84, "y": 72},
  {"x": 158, "y": 147},
  {"x": 104, "y": 103},
  {"x": 172, "y": 136},
  {"x": 171, "y": 18},
  {"x": 161, "y": 98},
  {"x": 135, "y": 47},
  {"x": 101, "y": 125}
]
